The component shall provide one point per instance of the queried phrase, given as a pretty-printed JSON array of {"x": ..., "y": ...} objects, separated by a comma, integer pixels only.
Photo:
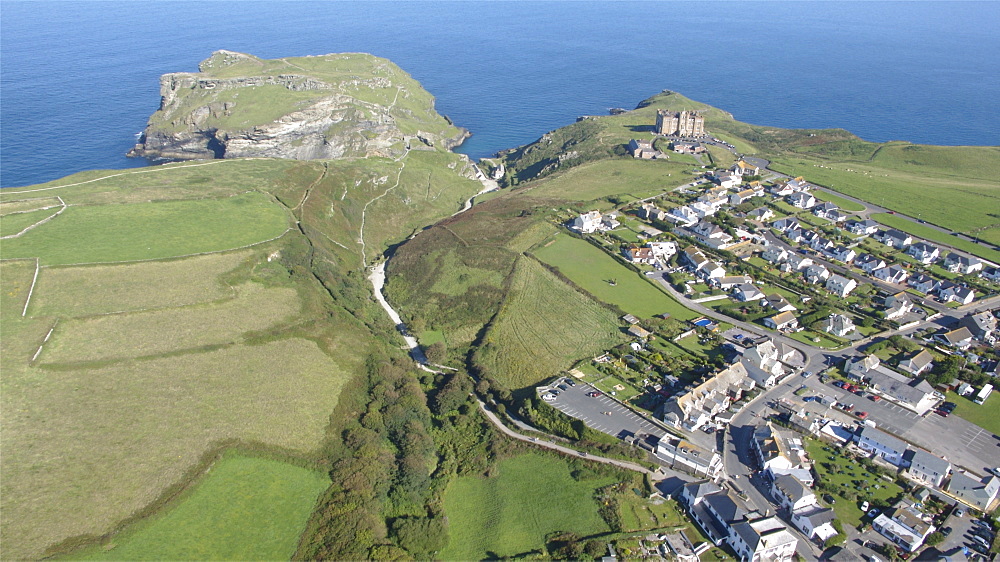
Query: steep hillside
[{"x": 329, "y": 106}]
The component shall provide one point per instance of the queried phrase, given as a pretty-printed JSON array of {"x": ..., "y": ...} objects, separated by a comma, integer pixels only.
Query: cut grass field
[
  {"x": 983, "y": 415},
  {"x": 543, "y": 328},
  {"x": 12, "y": 225},
  {"x": 97, "y": 234},
  {"x": 845, "y": 474},
  {"x": 605, "y": 178},
  {"x": 244, "y": 508},
  {"x": 102, "y": 289},
  {"x": 96, "y": 445},
  {"x": 510, "y": 514},
  {"x": 170, "y": 330},
  {"x": 590, "y": 268},
  {"x": 934, "y": 235}
]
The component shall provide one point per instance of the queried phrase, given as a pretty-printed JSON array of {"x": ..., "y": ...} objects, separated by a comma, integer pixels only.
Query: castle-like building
[{"x": 684, "y": 123}]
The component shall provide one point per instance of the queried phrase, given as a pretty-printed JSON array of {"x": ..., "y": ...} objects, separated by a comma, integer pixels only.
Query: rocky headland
[{"x": 305, "y": 108}]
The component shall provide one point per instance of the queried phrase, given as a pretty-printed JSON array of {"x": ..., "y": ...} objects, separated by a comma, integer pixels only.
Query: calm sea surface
[{"x": 78, "y": 80}]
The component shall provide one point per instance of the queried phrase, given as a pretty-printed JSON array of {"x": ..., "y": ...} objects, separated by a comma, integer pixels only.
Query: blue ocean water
[{"x": 79, "y": 79}]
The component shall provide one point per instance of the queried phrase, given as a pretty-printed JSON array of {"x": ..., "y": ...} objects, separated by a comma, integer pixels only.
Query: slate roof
[
  {"x": 791, "y": 487},
  {"x": 887, "y": 441},
  {"x": 726, "y": 507}
]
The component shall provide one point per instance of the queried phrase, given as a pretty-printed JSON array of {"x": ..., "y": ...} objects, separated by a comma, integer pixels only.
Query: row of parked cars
[{"x": 946, "y": 409}]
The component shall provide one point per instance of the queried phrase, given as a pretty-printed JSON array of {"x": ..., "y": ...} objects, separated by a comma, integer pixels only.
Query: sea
[{"x": 78, "y": 80}]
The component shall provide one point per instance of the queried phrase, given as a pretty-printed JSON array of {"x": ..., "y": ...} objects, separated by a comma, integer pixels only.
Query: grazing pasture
[
  {"x": 25, "y": 205},
  {"x": 606, "y": 178},
  {"x": 593, "y": 270},
  {"x": 510, "y": 513},
  {"x": 544, "y": 327},
  {"x": 11, "y": 225},
  {"x": 146, "y": 231},
  {"x": 155, "y": 332},
  {"x": 101, "y": 289},
  {"x": 96, "y": 445},
  {"x": 244, "y": 508}
]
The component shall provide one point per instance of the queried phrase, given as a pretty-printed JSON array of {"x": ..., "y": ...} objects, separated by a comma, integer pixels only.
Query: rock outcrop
[{"x": 304, "y": 108}]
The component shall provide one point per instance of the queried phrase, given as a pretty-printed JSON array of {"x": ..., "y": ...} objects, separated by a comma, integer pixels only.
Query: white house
[
  {"x": 746, "y": 292},
  {"x": 891, "y": 274},
  {"x": 881, "y": 444},
  {"x": 839, "y": 325},
  {"x": 959, "y": 339},
  {"x": 726, "y": 179},
  {"x": 912, "y": 393},
  {"x": 760, "y": 214},
  {"x": 791, "y": 493},
  {"x": 897, "y": 305},
  {"x": 683, "y": 215},
  {"x": 785, "y": 224},
  {"x": 894, "y": 238},
  {"x": 979, "y": 494},
  {"x": 949, "y": 292},
  {"x": 779, "y": 303},
  {"x": 762, "y": 540},
  {"x": 861, "y": 228},
  {"x": 711, "y": 270},
  {"x": 802, "y": 200},
  {"x": 957, "y": 263},
  {"x": 815, "y": 522},
  {"x": 918, "y": 363},
  {"x": 639, "y": 255},
  {"x": 842, "y": 253},
  {"x": 796, "y": 262},
  {"x": 922, "y": 282},
  {"x": 703, "y": 209},
  {"x": 869, "y": 263},
  {"x": 824, "y": 209},
  {"x": 774, "y": 254},
  {"x": 840, "y": 285},
  {"x": 907, "y": 527},
  {"x": 927, "y": 468},
  {"x": 690, "y": 457},
  {"x": 782, "y": 321},
  {"x": 924, "y": 252},
  {"x": 662, "y": 250},
  {"x": 816, "y": 273},
  {"x": 742, "y": 168}
]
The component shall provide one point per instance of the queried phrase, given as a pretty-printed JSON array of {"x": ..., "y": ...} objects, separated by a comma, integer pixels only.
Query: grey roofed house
[
  {"x": 779, "y": 303},
  {"x": 818, "y": 515},
  {"x": 978, "y": 493},
  {"x": 895, "y": 238},
  {"x": 791, "y": 487},
  {"x": 918, "y": 363},
  {"x": 915, "y": 394},
  {"x": 881, "y": 440},
  {"x": 955, "y": 337},
  {"x": 981, "y": 325},
  {"x": 927, "y": 467}
]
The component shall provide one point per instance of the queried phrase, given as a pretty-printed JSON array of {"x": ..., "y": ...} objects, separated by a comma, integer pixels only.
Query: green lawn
[
  {"x": 510, "y": 513},
  {"x": 591, "y": 269},
  {"x": 984, "y": 415},
  {"x": 623, "y": 176},
  {"x": 928, "y": 233},
  {"x": 244, "y": 509},
  {"x": 845, "y": 205},
  {"x": 810, "y": 336},
  {"x": 844, "y": 474},
  {"x": 144, "y": 231}
]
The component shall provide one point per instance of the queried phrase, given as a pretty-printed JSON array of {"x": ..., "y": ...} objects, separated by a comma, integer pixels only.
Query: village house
[
  {"x": 781, "y": 452},
  {"x": 711, "y": 270},
  {"x": 791, "y": 493},
  {"x": 712, "y": 509},
  {"x": 774, "y": 254},
  {"x": 782, "y": 321},
  {"x": 958, "y": 263},
  {"x": 729, "y": 282},
  {"x": 694, "y": 258},
  {"x": 815, "y": 522},
  {"x": 593, "y": 221},
  {"x": 762, "y": 364},
  {"x": 703, "y": 209},
  {"x": 922, "y": 282},
  {"x": 821, "y": 244},
  {"x": 894, "y": 238},
  {"x": 796, "y": 262},
  {"x": 897, "y": 305},
  {"x": 881, "y": 444},
  {"x": 687, "y": 147},
  {"x": 726, "y": 179},
  {"x": 892, "y": 274},
  {"x": 842, "y": 254},
  {"x": 785, "y": 224},
  {"x": 707, "y": 231},
  {"x": 742, "y": 168},
  {"x": 693, "y": 408},
  {"x": 861, "y": 228},
  {"x": 762, "y": 540},
  {"x": 650, "y": 212},
  {"x": 816, "y": 273},
  {"x": 979, "y": 494},
  {"x": 923, "y": 252},
  {"x": 960, "y": 338},
  {"x": 822, "y": 209},
  {"x": 925, "y": 467},
  {"x": 982, "y": 325},
  {"x": 690, "y": 457},
  {"x": 948, "y": 292},
  {"x": 801, "y": 200},
  {"x": 991, "y": 274},
  {"x": 906, "y": 527},
  {"x": 917, "y": 363},
  {"x": 745, "y": 292},
  {"x": 663, "y": 250},
  {"x": 779, "y": 303},
  {"x": 642, "y": 149},
  {"x": 840, "y": 285},
  {"x": 760, "y": 214},
  {"x": 913, "y": 394},
  {"x": 639, "y": 255},
  {"x": 780, "y": 189},
  {"x": 839, "y": 325},
  {"x": 869, "y": 263},
  {"x": 683, "y": 215}
]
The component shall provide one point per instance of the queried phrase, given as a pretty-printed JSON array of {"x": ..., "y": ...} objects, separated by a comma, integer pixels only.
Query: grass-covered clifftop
[{"x": 329, "y": 106}]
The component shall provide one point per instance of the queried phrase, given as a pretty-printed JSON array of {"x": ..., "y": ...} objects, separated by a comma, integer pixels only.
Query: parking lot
[
  {"x": 601, "y": 412},
  {"x": 963, "y": 443}
]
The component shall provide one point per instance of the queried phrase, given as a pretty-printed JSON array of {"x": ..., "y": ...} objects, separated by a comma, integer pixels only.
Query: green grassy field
[
  {"x": 928, "y": 233},
  {"x": 169, "y": 330},
  {"x": 245, "y": 508},
  {"x": 510, "y": 513},
  {"x": 101, "y": 289},
  {"x": 845, "y": 205},
  {"x": 544, "y": 327},
  {"x": 604, "y": 178},
  {"x": 844, "y": 474},
  {"x": 11, "y": 225},
  {"x": 591, "y": 269},
  {"x": 983, "y": 415},
  {"x": 97, "y": 234}
]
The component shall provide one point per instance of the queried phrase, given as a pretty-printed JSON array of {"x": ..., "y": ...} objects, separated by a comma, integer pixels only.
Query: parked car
[
  {"x": 865, "y": 506},
  {"x": 959, "y": 512},
  {"x": 941, "y": 413},
  {"x": 873, "y": 512},
  {"x": 829, "y": 499},
  {"x": 983, "y": 524},
  {"x": 861, "y": 415},
  {"x": 848, "y": 407},
  {"x": 874, "y": 397},
  {"x": 946, "y": 531},
  {"x": 807, "y": 374},
  {"x": 562, "y": 387},
  {"x": 548, "y": 397},
  {"x": 570, "y": 382},
  {"x": 949, "y": 406},
  {"x": 594, "y": 394}
]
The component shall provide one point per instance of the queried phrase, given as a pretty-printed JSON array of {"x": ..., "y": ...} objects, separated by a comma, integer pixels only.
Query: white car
[
  {"x": 548, "y": 397},
  {"x": 865, "y": 506}
]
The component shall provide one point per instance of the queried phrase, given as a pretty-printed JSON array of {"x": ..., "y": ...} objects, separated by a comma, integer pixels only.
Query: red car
[
  {"x": 861, "y": 415},
  {"x": 875, "y": 398},
  {"x": 848, "y": 407},
  {"x": 941, "y": 413}
]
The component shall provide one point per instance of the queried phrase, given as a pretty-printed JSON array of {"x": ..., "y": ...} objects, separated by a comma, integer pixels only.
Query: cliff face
[{"x": 301, "y": 108}]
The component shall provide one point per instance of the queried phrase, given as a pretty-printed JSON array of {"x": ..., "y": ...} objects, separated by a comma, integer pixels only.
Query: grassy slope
[
  {"x": 591, "y": 268},
  {"x": 199, "y": 385},
  {"x": 509, "y": 514},
  {"x": 244, "y": 509},
  {"x": 543, "y": 328}
]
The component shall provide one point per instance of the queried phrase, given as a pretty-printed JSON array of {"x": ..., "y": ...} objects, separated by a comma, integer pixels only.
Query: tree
[
  {"x": 934, "y": 539},
  {"x": 436, "y": 352}
]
